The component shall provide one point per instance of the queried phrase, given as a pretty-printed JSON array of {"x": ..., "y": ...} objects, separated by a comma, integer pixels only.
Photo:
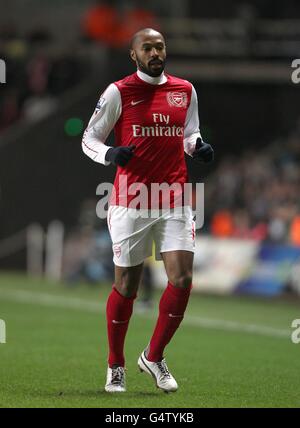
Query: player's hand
[
  {"x": 203, "y": 152},
  {"x": 120, "y": 155}
]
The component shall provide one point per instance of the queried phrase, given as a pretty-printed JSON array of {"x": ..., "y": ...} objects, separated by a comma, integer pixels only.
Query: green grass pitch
[{"x": 229, "y": 352}]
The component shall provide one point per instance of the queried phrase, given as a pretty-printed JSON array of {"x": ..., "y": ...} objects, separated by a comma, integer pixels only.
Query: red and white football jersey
[{"x": 159, "y": 116}]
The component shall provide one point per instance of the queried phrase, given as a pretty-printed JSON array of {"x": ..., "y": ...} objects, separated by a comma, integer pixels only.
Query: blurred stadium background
[{"x": 59, "y": 58}]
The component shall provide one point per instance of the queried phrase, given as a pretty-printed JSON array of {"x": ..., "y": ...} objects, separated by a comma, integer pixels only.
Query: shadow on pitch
[
  {"x": 102, "y": 393},
  {"x": 94, "y": 394}
]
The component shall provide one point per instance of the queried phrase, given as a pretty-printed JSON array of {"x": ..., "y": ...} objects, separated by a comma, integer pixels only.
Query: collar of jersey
[{"x": 160, "y": 80}]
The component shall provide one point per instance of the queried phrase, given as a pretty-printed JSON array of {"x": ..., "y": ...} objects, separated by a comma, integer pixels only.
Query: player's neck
[{"x": 152, "y": 80}]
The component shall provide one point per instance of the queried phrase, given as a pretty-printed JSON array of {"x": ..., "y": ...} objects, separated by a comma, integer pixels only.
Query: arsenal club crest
[
  {"x": 177, "y": 99},
  {"x": 117, "y": 250}
]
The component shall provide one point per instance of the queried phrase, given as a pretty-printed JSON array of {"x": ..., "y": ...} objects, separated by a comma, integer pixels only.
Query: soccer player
[{"x": 155, "y": 119}]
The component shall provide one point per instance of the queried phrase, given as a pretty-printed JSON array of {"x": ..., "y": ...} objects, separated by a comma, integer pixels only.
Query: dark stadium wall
[{"x": 235, "y": 117}]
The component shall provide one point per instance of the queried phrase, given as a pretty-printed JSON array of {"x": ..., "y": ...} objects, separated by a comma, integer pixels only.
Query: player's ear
[{"x": 132, "y": 55}]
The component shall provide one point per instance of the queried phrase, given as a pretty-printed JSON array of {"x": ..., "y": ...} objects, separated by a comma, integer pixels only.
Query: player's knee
[
  {"x": 125, "y": 289},
  {"x": 126, "y": 285},
  {"x": 183, "y": 281}
]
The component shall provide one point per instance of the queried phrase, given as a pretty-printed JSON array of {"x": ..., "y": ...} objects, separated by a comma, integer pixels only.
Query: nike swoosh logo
[
  {"x": 134, "y": 103},
  {"x": 119, "y": 322},
  {"x": 175, "y": 316}
]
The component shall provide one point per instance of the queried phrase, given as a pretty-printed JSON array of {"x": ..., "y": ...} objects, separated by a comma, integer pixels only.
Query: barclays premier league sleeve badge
[{"x": 100, "y": 104}]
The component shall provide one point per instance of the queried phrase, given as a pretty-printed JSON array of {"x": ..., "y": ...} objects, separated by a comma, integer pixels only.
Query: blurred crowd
[
  {"x": 257, "y": 195},
  {"x": 114, "y": 22},
  {"x": 36, "y": 76},
  {"x": 88, "y": 253}
]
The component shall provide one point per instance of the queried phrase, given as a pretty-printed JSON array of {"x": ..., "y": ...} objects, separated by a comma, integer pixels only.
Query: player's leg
[
  {"x": 119, "y": 310},
  {"x": 118, "y": 313},
  {"x": 131, "y": 245},
  {"x": 178, "y": 265},
  {"x": 175, "y": 242}
]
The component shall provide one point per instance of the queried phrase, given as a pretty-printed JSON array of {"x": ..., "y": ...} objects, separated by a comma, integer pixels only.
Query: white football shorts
[{"x": 133, "y": 233}]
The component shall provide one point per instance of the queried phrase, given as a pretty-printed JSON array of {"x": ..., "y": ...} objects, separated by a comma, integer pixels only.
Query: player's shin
[
  {"x": 118, "y": 313},
  {"x": 172, "y": 306}
]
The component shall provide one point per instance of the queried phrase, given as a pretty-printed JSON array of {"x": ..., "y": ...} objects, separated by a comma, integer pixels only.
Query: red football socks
[
  {"x": 118, "y": 314},
  {"x": 171, "y": 311}
]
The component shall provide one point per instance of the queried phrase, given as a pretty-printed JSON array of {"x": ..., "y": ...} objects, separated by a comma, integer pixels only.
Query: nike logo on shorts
[
  {"x": 175, "y": 316},
  {"x": 119, "y": 322},
  {"x": 134, "y": 103}
]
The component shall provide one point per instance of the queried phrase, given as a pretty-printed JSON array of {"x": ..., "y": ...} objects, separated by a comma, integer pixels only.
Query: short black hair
[{"x": 141, "y": 32}]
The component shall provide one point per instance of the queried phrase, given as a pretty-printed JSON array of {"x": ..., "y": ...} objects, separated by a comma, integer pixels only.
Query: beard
[{"x": 154, "y": 68}]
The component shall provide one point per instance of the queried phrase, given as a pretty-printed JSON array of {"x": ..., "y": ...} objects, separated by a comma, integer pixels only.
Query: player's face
[{"x": 149, "y": 53}]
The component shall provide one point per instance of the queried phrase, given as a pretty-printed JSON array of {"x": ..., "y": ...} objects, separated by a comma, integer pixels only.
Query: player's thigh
[
  {"x": 131, "y": 236},
  {"x": 175, "y": 231},
  {"x": 174, "y": 237}
]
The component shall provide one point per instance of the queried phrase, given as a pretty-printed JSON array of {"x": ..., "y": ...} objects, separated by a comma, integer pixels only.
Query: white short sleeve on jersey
[
  {"x": 191, "y": 128},
  {"x": 106, "y": 115}
]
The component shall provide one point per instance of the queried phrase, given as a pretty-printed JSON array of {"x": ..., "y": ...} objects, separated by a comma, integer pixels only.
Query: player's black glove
[
  {"x": 203, "y": 151},
  {"x": 119, "y": 155}
]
